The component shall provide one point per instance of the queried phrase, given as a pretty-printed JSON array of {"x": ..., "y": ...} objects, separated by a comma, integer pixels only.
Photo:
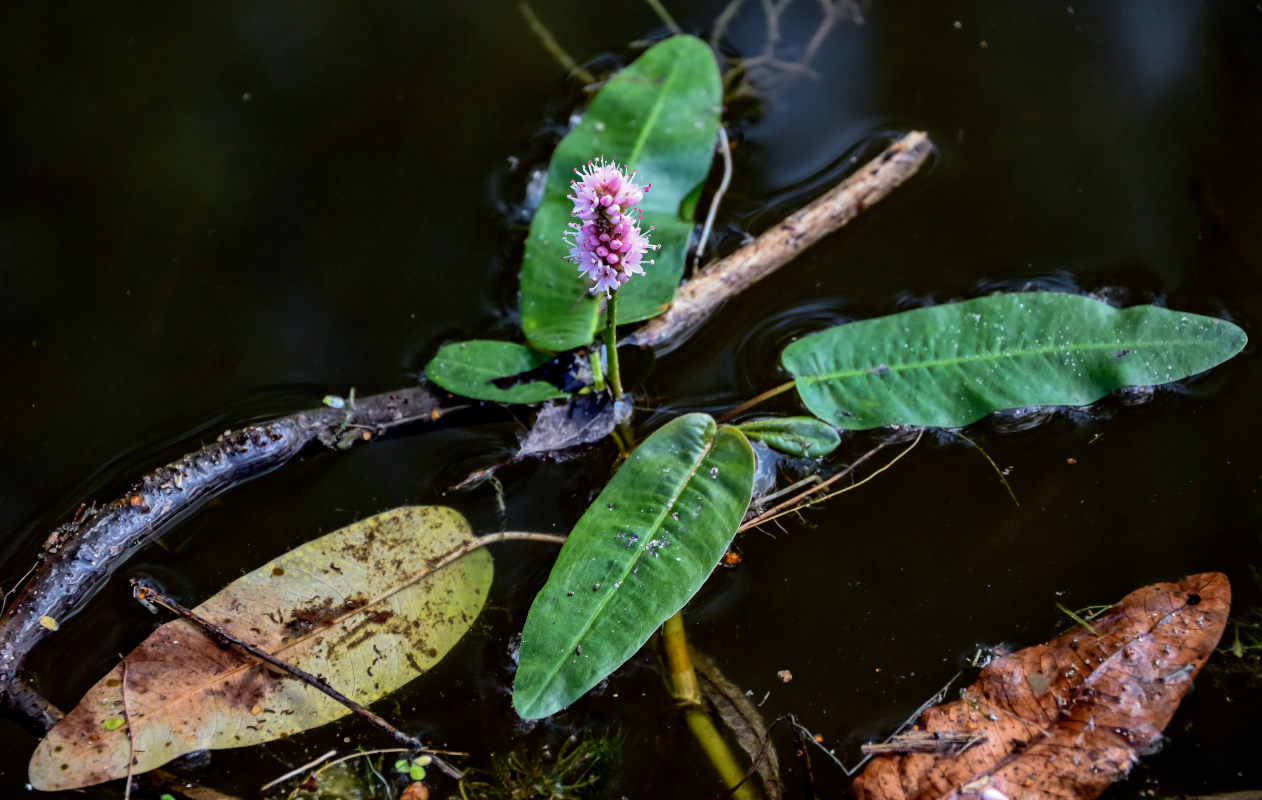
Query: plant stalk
[
  {"x": 611, "y": 343},
  {"x": 684, "y": 687},
  {"x": 598, "y": 373}
]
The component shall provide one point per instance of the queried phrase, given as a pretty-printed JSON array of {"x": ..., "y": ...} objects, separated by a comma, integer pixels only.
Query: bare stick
[
  {"x": 699, "y": 297},
  {"x": 145, "y": 592}
]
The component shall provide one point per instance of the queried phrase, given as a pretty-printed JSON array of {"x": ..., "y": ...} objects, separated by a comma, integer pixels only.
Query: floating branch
[
  {"x": 699, "y": 297},
  {"x": 78, "y": 555}
]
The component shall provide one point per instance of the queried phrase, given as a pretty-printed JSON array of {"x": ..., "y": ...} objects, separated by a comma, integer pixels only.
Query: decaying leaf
[
  {"x": 742, "y": 719},
  {"x": 359, "y": 607},
  {"x": 1067, "y": 718},
  {"x": 561, "y": 431}
]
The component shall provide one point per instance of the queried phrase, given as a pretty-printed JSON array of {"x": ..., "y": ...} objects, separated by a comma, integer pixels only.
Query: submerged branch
[
  {"x": 77, "y": 556},
  {"x": 699, "y": 297}
]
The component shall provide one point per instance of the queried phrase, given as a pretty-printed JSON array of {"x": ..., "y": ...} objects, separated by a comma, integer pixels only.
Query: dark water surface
[{"x": 211, "y": 215}]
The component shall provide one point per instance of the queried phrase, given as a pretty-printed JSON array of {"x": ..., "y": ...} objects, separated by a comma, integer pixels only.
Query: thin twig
[
  {"x": 724, "y": 148},
  {"x": 733, "y": 413},
  {"x": 299, "y": 770},
  {"x": 866, "y": 478},
  {"x": 550, "y": 44},
  {"x": 1002, "y": 478},
  {"x": 791, "y": 488},
  {"x": 721, "y": 22},
  {"x": 798, "y": 503},
  {"x": 788, "y": 505},
  {"x": 665, "y": 16},
  {"x": 131, "y": 734}
]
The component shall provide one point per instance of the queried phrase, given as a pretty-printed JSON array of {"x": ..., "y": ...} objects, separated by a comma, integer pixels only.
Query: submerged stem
[{"x": 684, "y": 687}]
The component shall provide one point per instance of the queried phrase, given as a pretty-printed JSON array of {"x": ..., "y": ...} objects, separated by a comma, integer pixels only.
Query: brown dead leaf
[
  {"x": 1067, "y": 718},
  {"x": 362, "y": 607}
]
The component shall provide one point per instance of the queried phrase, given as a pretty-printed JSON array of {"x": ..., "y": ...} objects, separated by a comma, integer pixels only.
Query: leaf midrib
[
  {"x": 654, "y": 112},
  {"x": 635, "y": 560},
  {"x": 1004, "y": 355}
]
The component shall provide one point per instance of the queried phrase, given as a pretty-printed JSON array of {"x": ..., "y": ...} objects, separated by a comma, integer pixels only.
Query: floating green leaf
[
  {"x": 360, "y": 606},
  {"x": 467, "y": 369},
  {"x": 951, "y": 365},
  {"x": 797, "y": 436},
  {"x": 660, "y": 115},
  {"x": 643, "y": 548}
]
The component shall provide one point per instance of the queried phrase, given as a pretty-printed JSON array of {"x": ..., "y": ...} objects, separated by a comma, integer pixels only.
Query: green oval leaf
[
  {"x": 360, "y": 607},
  {"x": 643, "y": 548},
  {"x": 660, "y": 115},
  {"x": 797, "y": 436},
  {"x": 467, "y": 369},
  {"x": 953, "y": 364}
]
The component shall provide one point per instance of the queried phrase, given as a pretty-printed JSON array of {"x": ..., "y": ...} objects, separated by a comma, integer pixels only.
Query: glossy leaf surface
[
  {"x": 356, "y": 606},
  {"x": 643, "y": 548},
  {"x": 660, "y": 116},
  {"x": 467, "y": 369},
  {"x": 953, "y": 364},
  {"x": 797, "y": 436}
]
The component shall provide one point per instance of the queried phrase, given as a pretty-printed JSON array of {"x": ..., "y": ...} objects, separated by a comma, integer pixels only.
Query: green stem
[
  {"x": 684, "y": 687},
  {"x": 598, "y": 374},
  {"x": 611, "y": 344}
]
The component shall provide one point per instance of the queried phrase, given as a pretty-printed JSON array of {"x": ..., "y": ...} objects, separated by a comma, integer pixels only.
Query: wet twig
[{"x": 78, "y": 556}]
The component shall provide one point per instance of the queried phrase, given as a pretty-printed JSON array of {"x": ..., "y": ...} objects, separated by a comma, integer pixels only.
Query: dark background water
[{"x": 210, "y": 215}]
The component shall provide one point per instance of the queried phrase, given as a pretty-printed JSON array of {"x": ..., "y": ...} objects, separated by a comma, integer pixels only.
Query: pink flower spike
[{"x": 608, "y": 246}]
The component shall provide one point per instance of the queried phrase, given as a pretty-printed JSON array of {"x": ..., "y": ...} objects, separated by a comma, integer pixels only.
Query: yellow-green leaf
[{"x": 359, "y": 606}]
